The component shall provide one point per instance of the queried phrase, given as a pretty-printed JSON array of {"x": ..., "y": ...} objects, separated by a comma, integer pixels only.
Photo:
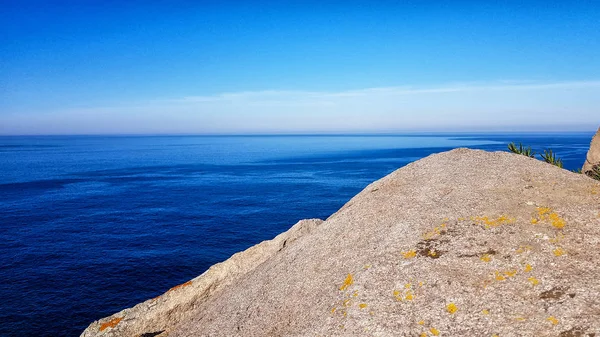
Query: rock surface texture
[
  {"x": 593, "y": 156},
  {"x": 461, "y": 243}
]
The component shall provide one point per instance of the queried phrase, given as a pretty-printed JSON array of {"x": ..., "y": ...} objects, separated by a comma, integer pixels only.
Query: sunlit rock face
[{"x": 461, "y": 243}]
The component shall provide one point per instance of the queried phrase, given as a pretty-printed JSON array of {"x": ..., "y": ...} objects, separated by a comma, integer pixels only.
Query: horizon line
[{"x": 308, "y": 134}]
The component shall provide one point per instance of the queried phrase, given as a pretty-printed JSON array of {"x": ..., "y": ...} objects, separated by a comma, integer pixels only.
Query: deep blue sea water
[{"x": 91, "y": 225}]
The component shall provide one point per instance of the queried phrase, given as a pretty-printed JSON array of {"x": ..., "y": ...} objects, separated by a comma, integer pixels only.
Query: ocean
[{"x": 90, "y": 225}]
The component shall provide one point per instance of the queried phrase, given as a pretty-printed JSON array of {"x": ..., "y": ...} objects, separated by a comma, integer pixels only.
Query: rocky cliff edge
[{"x": 461, "y": 243}]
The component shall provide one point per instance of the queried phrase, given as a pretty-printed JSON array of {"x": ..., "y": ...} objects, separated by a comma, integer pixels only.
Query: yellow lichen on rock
[
  {"x": 347, "y": 282},
  {"x": 452, "y": 308},
  {"x": 546, "y": 214},
  {"x": 558, "y": 251},
  {"x": 552, "y": 320},
  {"x": 409, "y": 254},
  {"x": 489, "y": 223},
  {"x": 522, "y": 249}
]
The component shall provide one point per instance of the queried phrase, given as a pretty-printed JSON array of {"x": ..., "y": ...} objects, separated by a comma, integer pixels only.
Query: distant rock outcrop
[
  {"x": 461, "y": 243},
  {"x": 593, "y": 156}
]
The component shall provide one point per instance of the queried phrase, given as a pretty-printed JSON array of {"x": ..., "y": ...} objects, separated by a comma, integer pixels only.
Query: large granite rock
[
  {"x": 593, "y": 156},
  {"x": 461, "y": 243}
]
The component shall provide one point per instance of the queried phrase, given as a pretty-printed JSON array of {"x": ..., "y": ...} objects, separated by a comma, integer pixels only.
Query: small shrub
[
  {"x": 550, "y": 157},
  {"x": 521, "y": 150}
]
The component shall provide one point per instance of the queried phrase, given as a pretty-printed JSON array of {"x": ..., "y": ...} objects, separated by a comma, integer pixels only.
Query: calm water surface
[{"x": 92, "y": 225}]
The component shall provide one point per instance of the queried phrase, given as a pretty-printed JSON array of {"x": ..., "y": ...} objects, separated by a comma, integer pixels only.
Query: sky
[{"x": 218, "y": 67}]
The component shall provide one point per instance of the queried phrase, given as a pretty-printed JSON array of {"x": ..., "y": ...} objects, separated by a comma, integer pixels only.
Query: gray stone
[{"x": 461, "y": 243}]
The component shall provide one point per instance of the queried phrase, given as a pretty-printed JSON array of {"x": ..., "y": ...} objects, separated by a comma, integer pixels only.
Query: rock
[
  {"x": 593, "y": 156},
  {"x": 452, "y": 244}
]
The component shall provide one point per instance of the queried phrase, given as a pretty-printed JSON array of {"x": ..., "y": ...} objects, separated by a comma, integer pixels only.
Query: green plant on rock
[
  {"x": 594, "y": 172},
  {"x": 526, "y": 151},
  {"x": 550, "y": 157}
]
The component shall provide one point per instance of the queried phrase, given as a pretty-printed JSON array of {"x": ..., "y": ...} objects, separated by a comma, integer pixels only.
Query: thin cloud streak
[{"x": 468, "y": 106}]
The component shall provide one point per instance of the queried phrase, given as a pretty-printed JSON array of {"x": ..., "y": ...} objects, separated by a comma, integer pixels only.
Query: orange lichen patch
[
  {"x": 534, "y": 221},
  {"x": 434, "y": 331},
  {"x": 111, "y": 324},
  {"x": 407, "y": 286},
  {"x": 486, "y": 258},
  {"x": 421, "y": 283},
  {"x": 409, "y": 296},
  {"x": 485, "y": 312},
  {"x": 510, "y": 273},
  {"x": 362, "y": 305},
  {"x": 552, "y": 320},
  {"x": 533, "y": 281},
  {"x": 423, "y": 334},
  {"x": 347, "y": 282},
  {"x": 528, "y": 268},
  {"x": 410, "y": 254},
  {"x": 452, "y": 308},
  {"x": 421, "y": 322},
  {"x": 333, "y": 310},
  {"x": 499, "y": 277},
  {"x": 183, "y": 285},
  {"x": 432, "y": 253},
  {"x": 347, "y": 302},
  {"x": 355, "y": 293},
  {"x": 558, "y": 251},
  {"x": 398, "y": 295},
  {"x": 520, "y": 319}
]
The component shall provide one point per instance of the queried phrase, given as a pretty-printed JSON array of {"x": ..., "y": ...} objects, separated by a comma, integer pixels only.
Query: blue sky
[{"x": 88, "y": 67}]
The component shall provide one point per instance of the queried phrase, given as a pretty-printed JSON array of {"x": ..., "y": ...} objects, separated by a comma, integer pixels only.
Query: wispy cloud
[
  {"x": 455, "y": 106},
  {"x": 399, "y": 90}
]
